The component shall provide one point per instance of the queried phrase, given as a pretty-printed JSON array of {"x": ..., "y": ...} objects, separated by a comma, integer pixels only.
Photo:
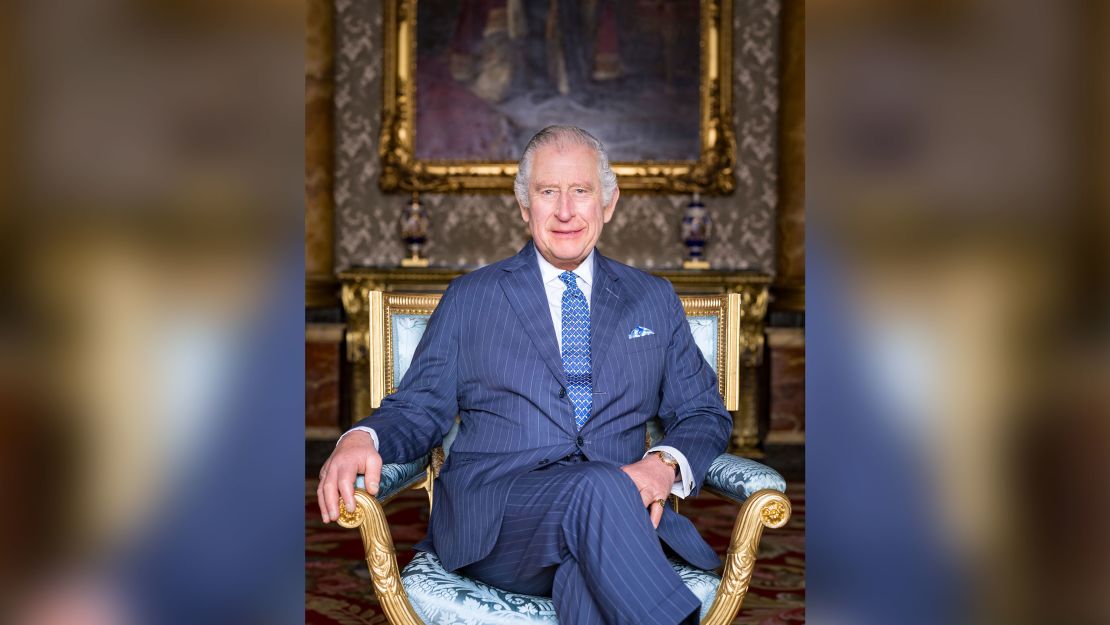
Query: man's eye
[
  {"x": 580, "y": 191},
  {"x": 547, "y": 192}
]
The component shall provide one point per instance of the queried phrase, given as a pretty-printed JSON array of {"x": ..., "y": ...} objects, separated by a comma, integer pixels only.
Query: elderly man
[{"x": 553, "y": 360}]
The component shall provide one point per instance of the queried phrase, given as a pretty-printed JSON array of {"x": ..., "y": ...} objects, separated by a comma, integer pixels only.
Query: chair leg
[
  {"x": 381, "y": 557},
  {"x": 766, "y": 508}
]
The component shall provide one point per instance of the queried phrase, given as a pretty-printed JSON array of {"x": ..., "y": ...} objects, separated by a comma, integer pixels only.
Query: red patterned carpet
[{"x": 337, "y": 584}]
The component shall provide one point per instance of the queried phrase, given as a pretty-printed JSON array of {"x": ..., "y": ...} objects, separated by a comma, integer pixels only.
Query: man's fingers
[
  {"x": 338, "y": 473},
  {"x": 656, "y": 514},
  {"x": 320, "y": 501},
  {"x": 320, "y": 491},
  {"x": 373, "y": 473},
  {"x": 346, "y": 479},
  {"x": 330, "y": 495}
]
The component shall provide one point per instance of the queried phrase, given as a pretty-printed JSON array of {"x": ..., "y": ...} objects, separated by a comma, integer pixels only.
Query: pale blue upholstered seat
[{"x": 449, "y": 599}]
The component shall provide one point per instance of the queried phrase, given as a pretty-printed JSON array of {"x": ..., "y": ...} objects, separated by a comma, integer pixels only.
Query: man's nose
[{"x": 565, "y": 209}]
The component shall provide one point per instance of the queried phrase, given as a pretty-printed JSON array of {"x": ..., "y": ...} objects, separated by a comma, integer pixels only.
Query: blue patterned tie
[{"x": 576, "y": 349}]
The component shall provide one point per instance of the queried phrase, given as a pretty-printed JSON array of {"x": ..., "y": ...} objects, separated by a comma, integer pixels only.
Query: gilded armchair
[{"x": 424, "y": 592}]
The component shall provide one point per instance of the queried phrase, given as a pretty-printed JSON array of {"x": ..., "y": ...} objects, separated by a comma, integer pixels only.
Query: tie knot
[{"x": 568, "y": 279}]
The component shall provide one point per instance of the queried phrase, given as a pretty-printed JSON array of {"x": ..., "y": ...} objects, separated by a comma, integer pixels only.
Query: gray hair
[{"x": 553, "y": 135}]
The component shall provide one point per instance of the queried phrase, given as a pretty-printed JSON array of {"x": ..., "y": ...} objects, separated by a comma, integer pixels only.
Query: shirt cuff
[
  {"x": 374, "y": 435},
  {"x": 684, "y": 483}
]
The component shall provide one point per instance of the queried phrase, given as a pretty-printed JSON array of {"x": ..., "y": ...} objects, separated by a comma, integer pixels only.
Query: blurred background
[
  {"x": 957, "y": 351},
  {"x": 152, "y": 267}
]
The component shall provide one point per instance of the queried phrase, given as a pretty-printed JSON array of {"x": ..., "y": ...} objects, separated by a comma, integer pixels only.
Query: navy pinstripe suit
[{"x": 489, "y": 354}]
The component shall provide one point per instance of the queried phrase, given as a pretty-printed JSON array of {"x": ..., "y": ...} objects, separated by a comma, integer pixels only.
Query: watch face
[{"x": 668, "y": 459}]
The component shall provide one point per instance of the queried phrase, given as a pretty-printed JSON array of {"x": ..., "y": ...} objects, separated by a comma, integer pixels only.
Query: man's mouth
[{"x": 566, "y": 233}]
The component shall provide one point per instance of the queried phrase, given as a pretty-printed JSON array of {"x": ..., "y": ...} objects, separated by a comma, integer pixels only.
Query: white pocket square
[{"x": 640, "y": 331}]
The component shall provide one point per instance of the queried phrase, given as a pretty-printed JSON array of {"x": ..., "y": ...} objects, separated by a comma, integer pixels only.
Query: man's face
[{"x": 566, "y": 213}]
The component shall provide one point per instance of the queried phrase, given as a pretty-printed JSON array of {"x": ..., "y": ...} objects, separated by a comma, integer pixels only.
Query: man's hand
[
  {"x": 355, "y": 454},
  {"x": 653, "y": 478}
]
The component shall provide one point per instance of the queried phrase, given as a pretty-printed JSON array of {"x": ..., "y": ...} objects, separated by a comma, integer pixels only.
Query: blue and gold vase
[
  {"x": 414, "y": 232},
  {"x": 696, "y": 227}
]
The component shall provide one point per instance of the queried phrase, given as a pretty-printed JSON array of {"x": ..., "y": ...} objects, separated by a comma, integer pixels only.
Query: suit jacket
[{"x": 489, "y": 355}]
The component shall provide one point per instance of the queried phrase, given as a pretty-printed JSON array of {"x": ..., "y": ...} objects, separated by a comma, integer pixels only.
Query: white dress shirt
[{"x": 554, "y": 287}]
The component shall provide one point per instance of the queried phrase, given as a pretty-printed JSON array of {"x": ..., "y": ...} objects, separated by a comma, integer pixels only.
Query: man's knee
[
  {"x": 605, "y": 484},
  {"x": 598, "y": 495}
]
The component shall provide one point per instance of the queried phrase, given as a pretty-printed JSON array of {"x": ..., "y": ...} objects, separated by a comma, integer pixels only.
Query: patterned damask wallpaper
[{"x": 475, "y": 229}]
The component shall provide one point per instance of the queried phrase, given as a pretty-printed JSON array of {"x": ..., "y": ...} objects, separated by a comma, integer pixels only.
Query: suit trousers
[{"x": 578, "y": 531}]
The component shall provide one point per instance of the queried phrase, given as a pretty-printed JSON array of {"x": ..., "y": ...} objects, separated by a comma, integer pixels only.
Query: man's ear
[
  {"x": 608, "y": 211},
  {"x": 523, "y": 212}
]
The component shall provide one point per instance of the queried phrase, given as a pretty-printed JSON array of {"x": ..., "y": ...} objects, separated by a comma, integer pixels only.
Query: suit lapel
[
  {"x": 524, "y": 289},
  {"x": 607, "y": 309}
]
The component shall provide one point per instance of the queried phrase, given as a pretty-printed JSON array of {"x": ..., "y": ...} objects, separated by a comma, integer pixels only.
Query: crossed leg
[{"x": 579, "y": 533}]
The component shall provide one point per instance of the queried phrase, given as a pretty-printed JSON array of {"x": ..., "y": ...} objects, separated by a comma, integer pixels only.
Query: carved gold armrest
[
  {"x": 765, "y": 508},
  {"x": 381, "y": 557}
]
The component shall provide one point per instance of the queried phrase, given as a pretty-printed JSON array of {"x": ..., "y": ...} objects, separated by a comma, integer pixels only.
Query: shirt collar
[{"x": 584, "y": 272}]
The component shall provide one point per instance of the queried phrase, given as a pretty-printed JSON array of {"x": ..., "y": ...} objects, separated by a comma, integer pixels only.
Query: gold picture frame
[{"x": 401, "y": 169}]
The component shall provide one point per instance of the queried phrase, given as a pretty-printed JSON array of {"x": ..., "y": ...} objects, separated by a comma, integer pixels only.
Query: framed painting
[{"x": 468, "y": 82}]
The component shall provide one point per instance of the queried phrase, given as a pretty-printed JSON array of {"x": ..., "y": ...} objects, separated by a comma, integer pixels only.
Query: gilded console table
[{"x": 752, "y": 287}]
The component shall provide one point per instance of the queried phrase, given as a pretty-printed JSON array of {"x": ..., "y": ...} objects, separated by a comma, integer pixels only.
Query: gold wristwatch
[{"x": 668, "y": 460}]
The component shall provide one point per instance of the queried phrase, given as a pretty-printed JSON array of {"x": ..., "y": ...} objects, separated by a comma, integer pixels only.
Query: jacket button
[
  {"x": 562, "y": 392},
  {"x": 579, "y": 441}
]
